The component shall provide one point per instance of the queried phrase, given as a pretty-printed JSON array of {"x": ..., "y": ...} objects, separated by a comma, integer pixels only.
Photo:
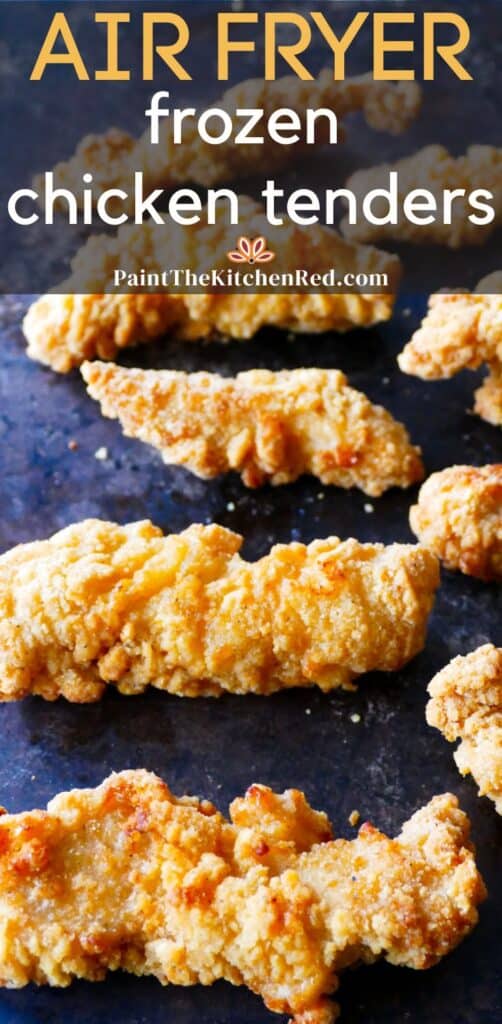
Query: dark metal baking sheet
[{"x": 385, "y": 765}]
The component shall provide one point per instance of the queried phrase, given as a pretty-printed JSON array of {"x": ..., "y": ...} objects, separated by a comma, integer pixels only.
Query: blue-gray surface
[{"x": 386, "y": 764}]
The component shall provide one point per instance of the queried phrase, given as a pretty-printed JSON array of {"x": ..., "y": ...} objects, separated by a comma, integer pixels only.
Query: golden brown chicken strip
[
  {"x": 461, "y": 332},
  {"x": 459, "y": 517},
  {"x": 127, "y": 876},
  {"x": 432, "y": 168},
  {"x": 100, "y": 603},
  {"x": 63, "y": 330},
  {"x": 466, "y": 705},
  {"x": 113, "y": 157},
  {"x": 267, "y": 426}
]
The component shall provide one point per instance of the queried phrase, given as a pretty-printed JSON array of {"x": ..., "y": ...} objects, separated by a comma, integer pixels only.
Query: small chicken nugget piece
[
  {"x": 461, "y": 331},
  {"x": 459, "y": 517},
  {"x": 466, "y": 705},
  {"x": 113, "y": 157},
  {"x": 63, "y": 330},
  {"x": 488, "y": 397},
  {"x": 100, "y": 603},
  {"x": 432, "y": 168},
  {"x": 127, "y": 876},
  {"x": 267, "y": 426}
]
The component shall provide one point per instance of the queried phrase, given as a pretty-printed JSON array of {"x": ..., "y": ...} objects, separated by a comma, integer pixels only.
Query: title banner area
[{"x": 205, "y": 148}]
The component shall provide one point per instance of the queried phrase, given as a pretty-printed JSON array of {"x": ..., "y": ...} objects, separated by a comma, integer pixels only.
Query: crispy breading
[
  {"x": 462, "y": 331},
  {"x": 459, "y": 517},
  {"x": 113, "y": 157},
  {"x": 488, "y": 397},
  {"x": 127, "y": 876},
  {"x": 100, "y": 603},
  {"x": 267, "y": 426},
  {"x": 63, "y": 330},
  {"x": 432, "y": 168},
  {"x": 466, "y": 705}
]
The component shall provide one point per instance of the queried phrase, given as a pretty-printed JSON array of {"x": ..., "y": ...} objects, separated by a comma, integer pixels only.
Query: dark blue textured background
[{"x": 386, "y": 765}]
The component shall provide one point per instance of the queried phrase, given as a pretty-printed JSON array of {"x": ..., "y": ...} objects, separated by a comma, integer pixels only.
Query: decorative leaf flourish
[{"x": 251, "y": 250}]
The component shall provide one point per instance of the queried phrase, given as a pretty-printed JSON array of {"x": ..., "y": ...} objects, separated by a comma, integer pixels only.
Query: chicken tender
[
  {"x": 127, "y": 876},
  {"x": 63, "y": 330},
  {"x": 113, "y": 157},
  {"x": 462, "y": 331},
  {"x": 466, "y": 705},
  {"x": 459, "y": 517},
  {"x": 267, "y": 426},
  {"x": 100, "y": 603},
  {"x": 435, "y": 169}
]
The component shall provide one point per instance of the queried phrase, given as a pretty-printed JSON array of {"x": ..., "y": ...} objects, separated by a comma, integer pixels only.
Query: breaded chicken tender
[
  {"x": 63, "y": 330},
  {"x": 100, "y": 603},
  {"x": 267, "y": 426},
  {"x": 459, "y": 517},
  {"x": 466, "y": 705},
  {"x": 113, "y": 157},
  {"x": 462, "y": 331},
  {"x": 127, "y": 876},
  {"x": 432, "y": 168}
]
